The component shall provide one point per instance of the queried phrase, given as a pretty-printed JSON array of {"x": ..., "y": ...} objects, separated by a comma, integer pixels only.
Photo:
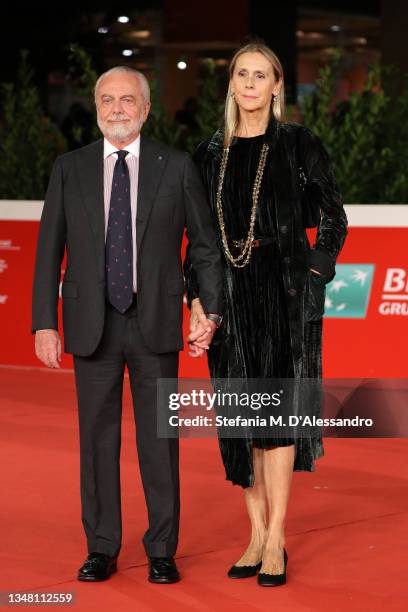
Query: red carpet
[{"x": 347, "y": 525}]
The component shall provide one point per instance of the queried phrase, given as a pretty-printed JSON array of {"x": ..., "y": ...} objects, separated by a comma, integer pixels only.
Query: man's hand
[
  {"x": 48, "y": 347},
  {"x": 201, "y": 330}
]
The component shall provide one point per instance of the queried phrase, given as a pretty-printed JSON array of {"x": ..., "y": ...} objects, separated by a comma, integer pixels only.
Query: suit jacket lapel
[
  {"x": 152, "y": 162},
  {"x": 90, "y": 173}
]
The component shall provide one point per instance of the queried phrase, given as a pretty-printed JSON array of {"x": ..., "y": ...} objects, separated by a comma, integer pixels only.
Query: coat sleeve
[
  {"x": 332, "y": 229},
  {"x": 190, "y": 277},
  {"x": 50, "y": 252},
  {"x": 202, "y": 266}
]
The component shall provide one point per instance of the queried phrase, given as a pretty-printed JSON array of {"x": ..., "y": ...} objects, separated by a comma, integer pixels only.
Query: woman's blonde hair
[{"x": 231, "y": 107}]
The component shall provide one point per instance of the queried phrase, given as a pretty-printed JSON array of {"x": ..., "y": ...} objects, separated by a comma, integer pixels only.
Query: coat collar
[
  {"x": 153, "y": 160},
  {"x": 216, "y": 143}
]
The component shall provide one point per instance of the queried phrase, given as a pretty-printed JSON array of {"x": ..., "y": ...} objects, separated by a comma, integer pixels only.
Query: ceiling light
[
  {"x": 127, "y": 52},
  {"x": 335, "y": 28},
  {"x": 181, "y": 65},
  {"x": 103, "y": 30},
  {"x": 123, "y": 19}
]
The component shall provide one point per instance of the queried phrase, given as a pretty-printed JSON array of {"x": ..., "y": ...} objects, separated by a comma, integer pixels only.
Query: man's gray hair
[{"x": 143, "y": 82}]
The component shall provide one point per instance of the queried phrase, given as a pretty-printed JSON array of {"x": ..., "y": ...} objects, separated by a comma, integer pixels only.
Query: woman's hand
[
  {"x": 196, "y": 312},
  {"x": 201, "y": 330}
]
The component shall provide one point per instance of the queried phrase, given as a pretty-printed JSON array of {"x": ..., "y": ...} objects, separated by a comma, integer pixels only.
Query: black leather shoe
[
  {"x": 274, "y": 579},
  {"x": 163, "y": 570},
  {"x": 244, "y": 571},
  {"x": 97, "y": 567}
]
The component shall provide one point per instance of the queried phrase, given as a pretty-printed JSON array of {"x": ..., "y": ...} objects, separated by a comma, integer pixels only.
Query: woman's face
[{"x": 253, "y": 82}]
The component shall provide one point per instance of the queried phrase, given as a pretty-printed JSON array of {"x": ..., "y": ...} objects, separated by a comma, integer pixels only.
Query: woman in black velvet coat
[{"x": 274, "y": 288}]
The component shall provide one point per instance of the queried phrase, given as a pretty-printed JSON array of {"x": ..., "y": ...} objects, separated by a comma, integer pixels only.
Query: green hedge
[{"x": 367, "y": 135}]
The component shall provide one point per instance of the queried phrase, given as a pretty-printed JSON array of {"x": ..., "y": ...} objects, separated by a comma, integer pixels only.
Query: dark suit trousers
[{"x": 99, "y": 382}]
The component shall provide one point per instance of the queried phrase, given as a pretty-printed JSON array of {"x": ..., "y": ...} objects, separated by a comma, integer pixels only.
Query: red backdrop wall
[{"x": 374, "y": 346}]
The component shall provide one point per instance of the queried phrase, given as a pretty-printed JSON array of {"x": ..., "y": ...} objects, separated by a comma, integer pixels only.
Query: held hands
[
  {"x": 201, "y": 330},
  {"x": 48, "y": 347}
]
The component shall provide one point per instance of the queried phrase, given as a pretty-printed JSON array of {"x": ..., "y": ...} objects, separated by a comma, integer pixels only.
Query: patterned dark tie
[{"x": 119, "y": 250}]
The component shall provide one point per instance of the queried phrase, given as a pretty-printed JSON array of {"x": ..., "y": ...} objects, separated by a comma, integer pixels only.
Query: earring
[
  {"x": 275, "y": 97},
  {"x": 232, "y": 94}
]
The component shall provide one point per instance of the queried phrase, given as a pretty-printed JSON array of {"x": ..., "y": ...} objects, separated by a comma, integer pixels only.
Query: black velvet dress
[
  {"x": 273, "y": 307},
  {"x": 256, "y": 341}
]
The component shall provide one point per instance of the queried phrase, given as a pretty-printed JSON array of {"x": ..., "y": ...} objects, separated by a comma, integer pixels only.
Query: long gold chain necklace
[{"x": 244, "y": 256}]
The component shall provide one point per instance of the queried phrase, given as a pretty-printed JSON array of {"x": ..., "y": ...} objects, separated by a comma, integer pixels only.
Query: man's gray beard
[{"x": 119, "y": 132}]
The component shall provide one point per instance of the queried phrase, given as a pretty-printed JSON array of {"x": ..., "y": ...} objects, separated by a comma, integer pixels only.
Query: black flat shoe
[
  {"x": 244, "y": 571},
  {"x": 163, "y": 570},
  {"x": 97, "y": 567},
  {"x": 274, "y": 579}
]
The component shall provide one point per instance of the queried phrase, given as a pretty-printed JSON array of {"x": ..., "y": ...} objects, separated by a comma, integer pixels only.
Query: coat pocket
[{"x": 315, "y": 297}]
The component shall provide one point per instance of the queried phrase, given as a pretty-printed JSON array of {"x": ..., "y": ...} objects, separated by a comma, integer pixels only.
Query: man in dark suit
[{"x": 119, "y": 207}]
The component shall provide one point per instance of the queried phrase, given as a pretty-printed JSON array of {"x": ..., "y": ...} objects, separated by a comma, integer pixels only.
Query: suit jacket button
[
  {"x": 292, "y": 291},
  {"x": 284, "y": 229}
]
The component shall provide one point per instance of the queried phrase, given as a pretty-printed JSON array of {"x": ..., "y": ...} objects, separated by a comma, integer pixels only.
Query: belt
[{"x": 256, "y": 243}]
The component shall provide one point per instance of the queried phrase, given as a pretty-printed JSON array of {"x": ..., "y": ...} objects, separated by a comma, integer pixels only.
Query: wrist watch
[{"x": 217, "y": 319}]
